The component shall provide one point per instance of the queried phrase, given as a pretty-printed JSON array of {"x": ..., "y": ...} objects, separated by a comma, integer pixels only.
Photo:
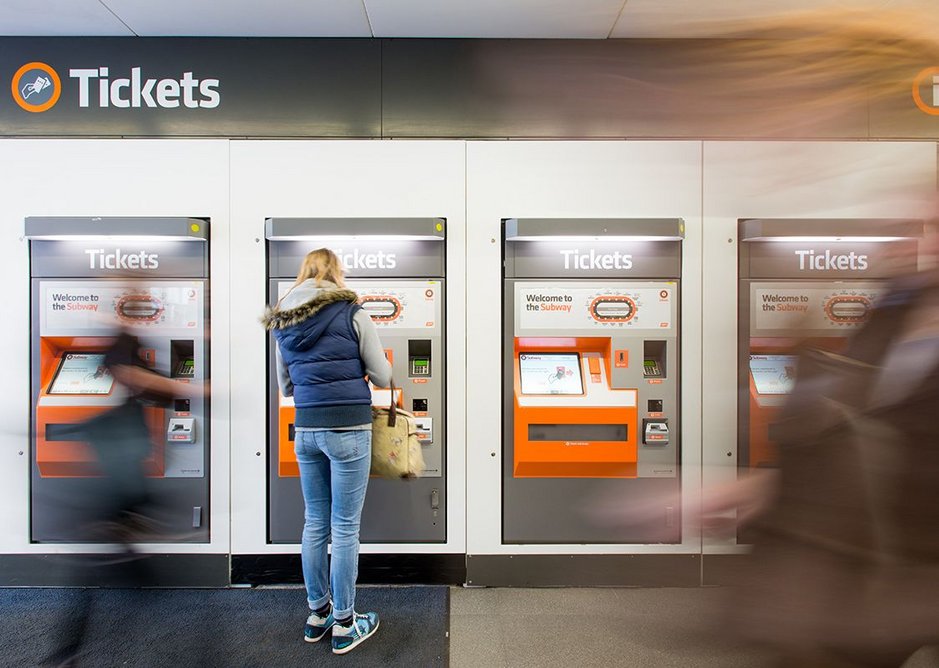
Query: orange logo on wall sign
[
  {"x": 929, "y": 76},
  {"x": 36, "y": 87}
]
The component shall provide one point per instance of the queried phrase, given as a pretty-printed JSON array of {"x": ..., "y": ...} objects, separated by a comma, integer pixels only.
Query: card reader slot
[{"x": 654, "y": 359}]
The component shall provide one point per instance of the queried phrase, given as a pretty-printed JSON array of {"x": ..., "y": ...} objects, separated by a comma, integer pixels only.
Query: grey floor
[{"x": 536, "y": 628}]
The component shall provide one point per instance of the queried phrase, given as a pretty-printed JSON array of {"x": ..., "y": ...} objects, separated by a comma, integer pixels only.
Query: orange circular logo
[
  {"x": 931, "y": 73},
  {"x": 36, "y": 87}
]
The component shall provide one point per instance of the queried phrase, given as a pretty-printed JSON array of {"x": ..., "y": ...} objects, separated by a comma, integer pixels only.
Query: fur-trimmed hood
[{"x": 304, "y": 302}]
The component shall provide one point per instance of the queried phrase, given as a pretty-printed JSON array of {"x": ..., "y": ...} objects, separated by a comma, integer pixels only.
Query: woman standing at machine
[{"x": 326, "y": 345}]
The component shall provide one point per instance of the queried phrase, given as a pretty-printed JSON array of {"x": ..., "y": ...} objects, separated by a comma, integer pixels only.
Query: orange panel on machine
[
  {"x": 76, "y": 459},
  {"x": 573, "y": 458},
  {"x": 287, "y": 466},
  {"x": 65, "y": 459}
]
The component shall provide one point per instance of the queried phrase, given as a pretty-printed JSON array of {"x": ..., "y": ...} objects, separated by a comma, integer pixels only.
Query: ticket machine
[
  {"x": 809, "y": 282},
  {"x": 90, "y": 278},
  {"x": 397, "y": 267},
  {"x": 590, "y": 377}
]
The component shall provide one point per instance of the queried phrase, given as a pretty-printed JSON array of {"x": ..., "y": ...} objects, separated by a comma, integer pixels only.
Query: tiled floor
[{"x": 536, "y": 628}]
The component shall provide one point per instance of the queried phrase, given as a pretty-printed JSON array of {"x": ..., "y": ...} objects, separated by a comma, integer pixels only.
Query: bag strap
[{"x": 393, "y": 406}]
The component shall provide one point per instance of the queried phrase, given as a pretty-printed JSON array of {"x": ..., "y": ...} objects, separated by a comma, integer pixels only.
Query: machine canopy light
[
  {"x": 126, "y": 238},
  {"x": 591, "y": 237},
  {"x": 354, "y": 229},
  {"x": 115, "y": 228},
  {"x": 355, "y": 237},
  {"x": 594, "y": 229},
  {"x": 829, "y": 239},
  {"x": 829, "y": 230}
]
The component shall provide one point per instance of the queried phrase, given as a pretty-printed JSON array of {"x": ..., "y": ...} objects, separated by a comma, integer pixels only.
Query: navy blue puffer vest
[{"x": 321, "y": 353}]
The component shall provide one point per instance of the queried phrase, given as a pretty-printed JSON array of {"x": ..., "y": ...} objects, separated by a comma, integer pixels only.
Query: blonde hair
[{"x": 321, "y": 265}]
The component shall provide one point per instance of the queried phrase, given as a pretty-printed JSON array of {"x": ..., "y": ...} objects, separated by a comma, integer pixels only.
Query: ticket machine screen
[
  {"x": 550, "y": 373},
  {"x": 773, "y": 374},
  {"x": 82, "y": 373}
]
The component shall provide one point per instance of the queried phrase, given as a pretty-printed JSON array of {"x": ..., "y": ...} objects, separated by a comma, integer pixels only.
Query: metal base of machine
[
  {"x": 584, "y": 570},
  {"x": 114, "y": 570},
  {"x": 723, "y": 569},
  {"x": 427, "y": 569}
]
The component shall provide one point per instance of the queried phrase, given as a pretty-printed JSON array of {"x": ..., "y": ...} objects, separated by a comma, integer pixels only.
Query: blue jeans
[{"x": 334, "y": 467}]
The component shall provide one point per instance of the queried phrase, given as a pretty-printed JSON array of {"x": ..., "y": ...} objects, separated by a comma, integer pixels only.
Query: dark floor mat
[{"x": 211, "y": 627}]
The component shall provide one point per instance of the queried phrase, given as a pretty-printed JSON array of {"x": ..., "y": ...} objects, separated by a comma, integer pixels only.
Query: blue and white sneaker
[
  {"x": 316, "y": 626},
  {"x": 345, "y": 638}
]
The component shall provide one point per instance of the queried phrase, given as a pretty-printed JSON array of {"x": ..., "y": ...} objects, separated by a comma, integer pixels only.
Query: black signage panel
[
  {"x": 830, "y": 260},
  {"x": 96, "y": 258},
  {"x": 610, "y": 88},
  {"x": 295, "y": 87},
  {"x": 585, "y": 258},
  {"x": 190, "y": 86},
  {"x": 363, "y": 258}
]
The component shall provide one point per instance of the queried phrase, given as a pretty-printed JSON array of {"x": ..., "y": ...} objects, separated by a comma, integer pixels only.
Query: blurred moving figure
[
  {"x": 121, "y": 440},
  {"x": 845, "y": 566},
  {"x": 845, "y": 569},
  {"x": 121, "y": 509}
]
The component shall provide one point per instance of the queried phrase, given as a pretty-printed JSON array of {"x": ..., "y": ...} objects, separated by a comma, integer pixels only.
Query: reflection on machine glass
[
  {"x": 82, "y": 373},
  {"x": 773, "y": 374},
  {"x": 550, "y": 373}
]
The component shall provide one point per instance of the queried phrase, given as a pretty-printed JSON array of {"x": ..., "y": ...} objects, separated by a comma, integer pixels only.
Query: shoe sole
[
  {"x": 321, "y": 636},
  {"x": 358, "y": 642}
]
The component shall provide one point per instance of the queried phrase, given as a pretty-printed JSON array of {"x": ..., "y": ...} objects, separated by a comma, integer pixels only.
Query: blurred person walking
[
  {"x": 326, "y": 345},
  {"x": 845, "y": 570},
  {"x": 122, "y": 440},
  {"x": 120, "y": 508}
]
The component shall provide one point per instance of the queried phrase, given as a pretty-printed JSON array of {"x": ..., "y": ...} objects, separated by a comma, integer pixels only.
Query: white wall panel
[
  {"x": 88, "y": 18},
  {"x": 575, "y": 180},
  {"x": 104, "y": 178},
  {"x": 691, "y": 18},
  {"x": 784, "y": 180},
  {"x": 586, "y": 19},
  {"x": 474, "y": 185},
  {"x": 244, "y": 18},
  {"x": 342, "y": 179}
]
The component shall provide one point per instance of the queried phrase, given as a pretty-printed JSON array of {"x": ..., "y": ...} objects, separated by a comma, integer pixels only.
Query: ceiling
[{"x": 586, "y": 19}]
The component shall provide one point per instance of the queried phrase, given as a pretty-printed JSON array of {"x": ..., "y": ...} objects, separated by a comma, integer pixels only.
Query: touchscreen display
[
  {"x": 82, "y": 373},
  {"x": 550, "y": 373},
  {"x": 773, "y": 374}
]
